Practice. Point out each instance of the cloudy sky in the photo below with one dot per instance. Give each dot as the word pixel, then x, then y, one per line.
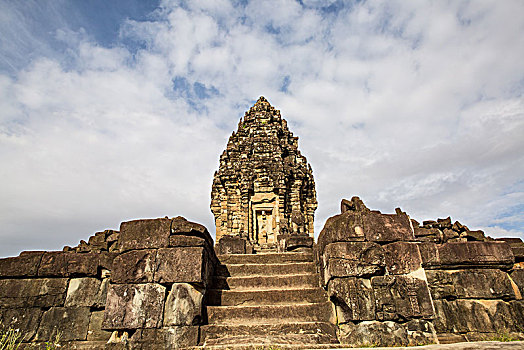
pixel 116 110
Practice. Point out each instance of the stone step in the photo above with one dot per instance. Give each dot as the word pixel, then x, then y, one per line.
pixel 236 270
pixel 289 339
pixel 293 333
pixel 272 344
pixel 269 258
pixel 217 297
pixel 480 345
pixel 317 312
pixel 266 282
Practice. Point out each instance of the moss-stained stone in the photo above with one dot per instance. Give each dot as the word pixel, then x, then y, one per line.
pixel 470 284
pixel 38 292
pixel 131 306
pixel 26 320
pixel 86 291
pixel 183 306
pixel 95 331
pixel 136 266
pixel 71 322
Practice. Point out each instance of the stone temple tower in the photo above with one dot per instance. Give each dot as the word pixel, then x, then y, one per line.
pixel 264 186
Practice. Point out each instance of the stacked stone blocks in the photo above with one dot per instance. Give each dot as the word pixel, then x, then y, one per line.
pixel 146 293
pixel 372 269
pixel 158 284
pixel 46 293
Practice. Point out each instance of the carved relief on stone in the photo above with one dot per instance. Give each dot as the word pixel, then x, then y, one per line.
pixel 263 183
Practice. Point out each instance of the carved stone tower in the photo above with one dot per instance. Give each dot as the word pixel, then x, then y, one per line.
pixel 264 186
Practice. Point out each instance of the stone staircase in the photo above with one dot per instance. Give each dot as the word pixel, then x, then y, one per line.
pixel 268 300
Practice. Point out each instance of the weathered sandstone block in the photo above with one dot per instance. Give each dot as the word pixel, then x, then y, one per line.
pixel 449 234
pixel 445 222
pixel 26 320
pixel 470 284
pixel 461 316
pixel 82 264
pixel 182 337
pixel 517 247
pixel 421 332
pixel 387 227
pixel 352 259
pixel 145 234
pixel 176 337
pixel 71 322
pixel 518 278
pixel 106 260
pixel 95 331
pixel 132 306
pixel 183 306
pixel 187 241
pixel 25 265
pixel 182 264
pixel 402 258
pixel 374 333
pixel 87 291
pixel 149 338
pixel 181 226
pixel 366 225
pixel 518 252
pixel 38 292
pixel 456 255
pixel 401 298
pixel 98 242
pixel 292 242
pixel 429 254
pixel 53 264
pixel 353 298
pixel 423 234
pixel 517 312
pixel 231 245
pixel 65 264
pixel 473 236
pixel 136 266
pixel 345 227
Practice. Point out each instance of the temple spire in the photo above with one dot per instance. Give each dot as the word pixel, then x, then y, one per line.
pixel 264 186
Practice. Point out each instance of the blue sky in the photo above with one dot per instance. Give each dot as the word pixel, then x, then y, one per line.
pixel 116 110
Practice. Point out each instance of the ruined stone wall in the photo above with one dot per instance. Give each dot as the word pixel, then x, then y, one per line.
pixel 141 288
pixel 371 268
pixel 45 293
pixel 475 282
pixel 158 284
pixel 392 281
pixel 395 284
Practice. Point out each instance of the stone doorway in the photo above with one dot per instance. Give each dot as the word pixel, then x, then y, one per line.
pixel 264 220
pixel 265 233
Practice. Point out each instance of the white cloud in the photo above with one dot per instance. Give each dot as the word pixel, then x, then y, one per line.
pixel 417 105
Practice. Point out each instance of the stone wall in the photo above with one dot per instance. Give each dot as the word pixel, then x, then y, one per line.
pixel 372 270
pixel 391 280
pixel 394 282
pixel 141 288
pixel 473 289
pixel 43 293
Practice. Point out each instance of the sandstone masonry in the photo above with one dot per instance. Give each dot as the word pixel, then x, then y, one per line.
pixel 264 186
pixel 371 279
